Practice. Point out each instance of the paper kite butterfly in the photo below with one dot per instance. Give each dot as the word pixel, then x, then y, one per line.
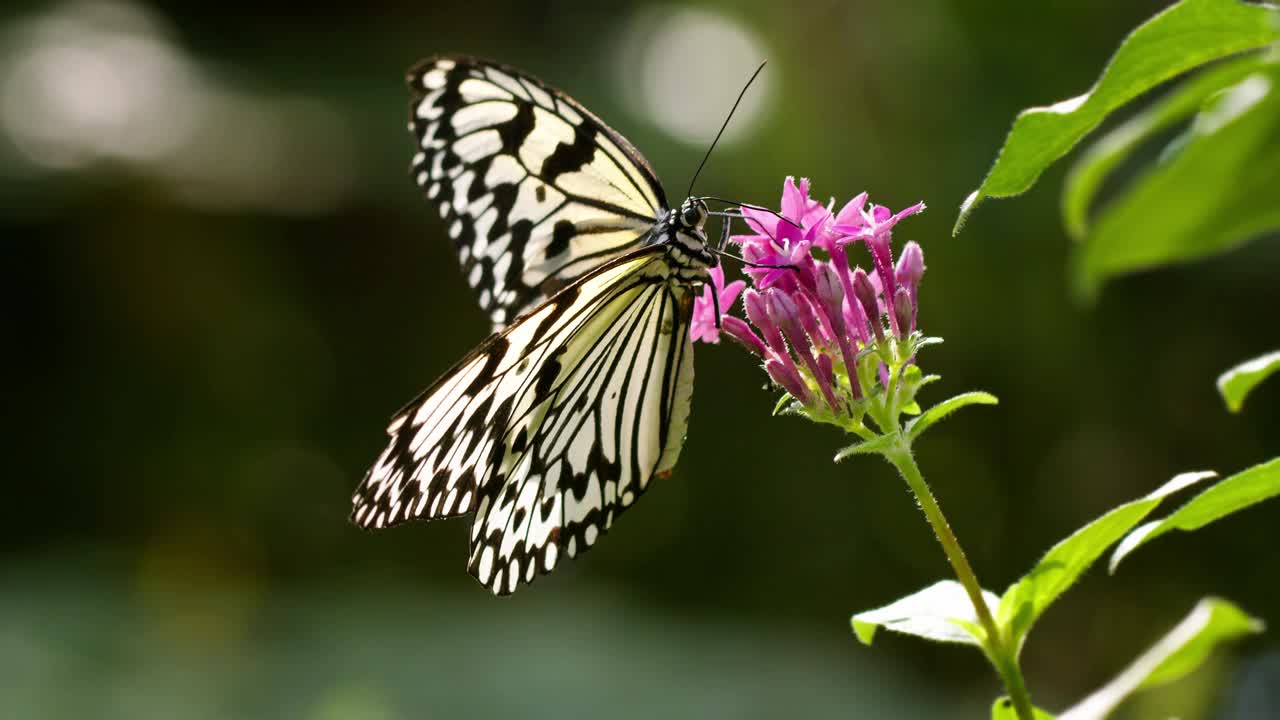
pixel 559 420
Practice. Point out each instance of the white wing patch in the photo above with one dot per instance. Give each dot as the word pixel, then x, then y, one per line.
pixel 537 191
pixel 549 430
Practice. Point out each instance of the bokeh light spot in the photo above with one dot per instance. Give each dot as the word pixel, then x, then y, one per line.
pixel 103 83
pixel 682 67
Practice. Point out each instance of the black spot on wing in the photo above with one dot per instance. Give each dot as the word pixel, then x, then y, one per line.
pixel 496 349
pixel 552 285
pixel 561 234
pixel 570 157
pixel 561 302
pixel 504 198
pixel 516 130
pixel 578 484
pixel 514 280
pixel 501 419
pixel 548 374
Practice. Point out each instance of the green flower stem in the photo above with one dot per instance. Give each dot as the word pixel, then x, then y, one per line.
pixel 1005 661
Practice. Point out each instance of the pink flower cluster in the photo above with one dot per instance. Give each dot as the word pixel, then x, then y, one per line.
pixel 810 313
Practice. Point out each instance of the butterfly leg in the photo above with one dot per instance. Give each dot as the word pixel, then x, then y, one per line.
pixel 715 301
pixel 748 263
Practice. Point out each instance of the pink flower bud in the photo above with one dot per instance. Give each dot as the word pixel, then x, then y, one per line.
pixel 788 379
pixel 737 329
pixel 910 267
pixel 905 310
pixel 829 290
pixel 757 313
pixel 783 313
pixel 865 292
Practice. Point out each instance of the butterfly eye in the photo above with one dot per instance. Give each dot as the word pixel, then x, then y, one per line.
pixel 692 215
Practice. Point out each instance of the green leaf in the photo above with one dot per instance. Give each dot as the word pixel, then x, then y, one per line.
pixel 1002 709
pixel 1212 622
pixel 917 426
pixel 1187 35
pixel 940 612
pixel 1216 191
pixel 878 444
pixel 1252 486
pixel 1028 598
pixel 1089 172
pixel 782 405
pixel 921 341
pixel 1237 382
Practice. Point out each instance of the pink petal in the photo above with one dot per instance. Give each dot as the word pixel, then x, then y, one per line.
pixel 759 221
pixel 730 293
pixel 794 198
pixel 851 213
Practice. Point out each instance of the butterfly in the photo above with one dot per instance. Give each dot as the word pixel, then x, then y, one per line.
pixel 558 421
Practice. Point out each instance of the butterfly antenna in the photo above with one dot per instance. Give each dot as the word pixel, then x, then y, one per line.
pixel 722 127
pixel 749 206
pixel 724 240
pixel 725 231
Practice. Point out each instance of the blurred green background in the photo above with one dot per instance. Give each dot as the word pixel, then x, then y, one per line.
pixel 221 282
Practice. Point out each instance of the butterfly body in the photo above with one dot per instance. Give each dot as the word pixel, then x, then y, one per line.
pixel 556 423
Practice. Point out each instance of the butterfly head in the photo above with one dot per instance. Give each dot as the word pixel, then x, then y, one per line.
pixel 693 215
pixel 684 233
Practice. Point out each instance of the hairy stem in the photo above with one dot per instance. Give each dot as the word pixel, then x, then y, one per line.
pixel 1002 656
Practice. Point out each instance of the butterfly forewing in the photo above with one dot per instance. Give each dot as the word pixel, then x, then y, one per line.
pixel 550 429
pixel 535 191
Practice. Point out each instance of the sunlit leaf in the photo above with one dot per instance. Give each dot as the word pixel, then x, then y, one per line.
pixel 878 444
pixel 1236 383
pixel 783 404
pixel 940 411
pixel 1093 167
pixel 1212 622
pixel 1025 600
pixel 940 612
pixel 1216 191
pixel 1002 709
pixel 1187 35
pixel 1237 492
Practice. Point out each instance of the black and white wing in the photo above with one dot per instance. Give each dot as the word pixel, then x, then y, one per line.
pixel 550 429
pixel 535 191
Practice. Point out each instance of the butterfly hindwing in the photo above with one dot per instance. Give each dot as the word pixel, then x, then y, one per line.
pixel 535 191
pixel 551 429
